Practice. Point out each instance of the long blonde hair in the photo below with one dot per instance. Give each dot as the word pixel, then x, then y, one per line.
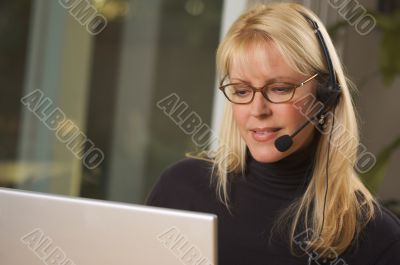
pixel 349 205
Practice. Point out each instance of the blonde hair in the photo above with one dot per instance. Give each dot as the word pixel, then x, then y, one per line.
pixel 349 205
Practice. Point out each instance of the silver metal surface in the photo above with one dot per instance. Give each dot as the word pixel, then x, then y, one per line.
pixel 39 229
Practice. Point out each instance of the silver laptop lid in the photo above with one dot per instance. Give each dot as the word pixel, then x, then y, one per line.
pixel 40 229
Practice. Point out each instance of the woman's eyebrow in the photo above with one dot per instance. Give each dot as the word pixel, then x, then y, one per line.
pixel 278 79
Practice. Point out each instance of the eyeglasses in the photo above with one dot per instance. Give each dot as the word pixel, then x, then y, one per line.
pixel 241 93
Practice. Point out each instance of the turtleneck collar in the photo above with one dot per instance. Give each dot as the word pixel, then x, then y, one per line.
pixel 289 173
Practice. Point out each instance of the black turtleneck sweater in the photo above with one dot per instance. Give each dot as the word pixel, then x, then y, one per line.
pixel 257 199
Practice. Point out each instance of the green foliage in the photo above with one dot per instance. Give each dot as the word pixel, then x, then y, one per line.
pixel 373 178
pixel 389 50
pixel 389 54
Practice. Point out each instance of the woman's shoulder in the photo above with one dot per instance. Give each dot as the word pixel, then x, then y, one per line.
pixel 380 239
pixel 181 181
pixel 385 225
pixel 385 236
pixel 187 169
pixel 385 220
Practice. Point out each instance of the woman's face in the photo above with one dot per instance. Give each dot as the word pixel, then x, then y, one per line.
pixel 266 64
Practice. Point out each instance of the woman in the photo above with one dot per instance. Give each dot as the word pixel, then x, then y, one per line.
pixel 279 199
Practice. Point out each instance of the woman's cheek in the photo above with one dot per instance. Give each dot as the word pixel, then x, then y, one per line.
pixel 240 116
pixel 290 115
pixel 293 119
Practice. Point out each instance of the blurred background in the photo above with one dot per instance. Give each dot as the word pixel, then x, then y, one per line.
pixel 108 84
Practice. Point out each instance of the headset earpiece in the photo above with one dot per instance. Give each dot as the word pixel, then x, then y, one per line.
pixel 328 95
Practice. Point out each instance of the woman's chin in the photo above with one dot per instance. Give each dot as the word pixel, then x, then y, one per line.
pixel 266 154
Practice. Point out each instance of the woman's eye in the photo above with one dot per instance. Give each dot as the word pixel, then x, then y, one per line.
pixel 282 90
pixel 242 91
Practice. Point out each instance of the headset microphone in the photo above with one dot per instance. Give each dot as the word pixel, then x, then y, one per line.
pixel 284 142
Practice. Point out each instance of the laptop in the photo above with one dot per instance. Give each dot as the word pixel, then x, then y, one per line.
pixel 42 229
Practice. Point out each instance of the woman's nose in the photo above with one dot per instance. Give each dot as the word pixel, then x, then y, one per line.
pixel 260 106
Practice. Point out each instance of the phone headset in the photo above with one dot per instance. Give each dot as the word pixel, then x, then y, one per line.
pixel 328 93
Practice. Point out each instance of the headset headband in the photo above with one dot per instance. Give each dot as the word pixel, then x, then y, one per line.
pixel 333 84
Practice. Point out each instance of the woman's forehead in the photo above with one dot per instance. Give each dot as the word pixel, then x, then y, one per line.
pixel 259 61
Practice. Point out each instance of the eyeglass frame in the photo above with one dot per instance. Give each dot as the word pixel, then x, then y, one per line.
pixel 254 89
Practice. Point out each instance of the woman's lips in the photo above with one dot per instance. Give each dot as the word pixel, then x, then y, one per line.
pixel 264 134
